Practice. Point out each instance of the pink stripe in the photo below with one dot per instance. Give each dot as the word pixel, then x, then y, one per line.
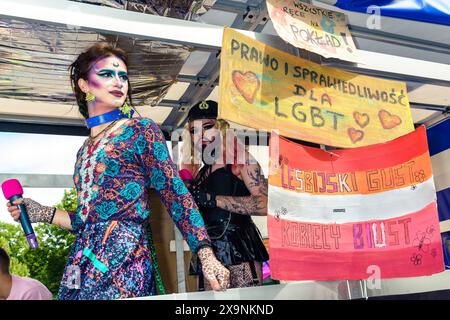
pixel 312 251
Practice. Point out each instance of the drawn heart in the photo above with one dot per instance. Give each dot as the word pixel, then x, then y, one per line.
pixel 355 135
pixel 362 119
pixel 247 84
pixel 388 120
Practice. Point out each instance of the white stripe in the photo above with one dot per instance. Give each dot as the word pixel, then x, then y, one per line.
pixel 441 169
pixel 445 225
pixel 358 207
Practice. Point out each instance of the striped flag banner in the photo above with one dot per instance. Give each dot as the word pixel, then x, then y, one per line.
pixel 337 215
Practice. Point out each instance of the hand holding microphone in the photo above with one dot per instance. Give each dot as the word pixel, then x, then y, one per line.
pixel 36 211
pixel 26 210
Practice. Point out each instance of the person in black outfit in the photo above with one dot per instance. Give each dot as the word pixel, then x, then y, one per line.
pixel 227 194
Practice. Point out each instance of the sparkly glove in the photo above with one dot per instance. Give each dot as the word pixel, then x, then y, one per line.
pixel 213 270
pixel 38 212
pixel 203 198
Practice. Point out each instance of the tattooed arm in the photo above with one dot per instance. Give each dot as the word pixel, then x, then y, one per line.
pixel 256 203
pixel 256 183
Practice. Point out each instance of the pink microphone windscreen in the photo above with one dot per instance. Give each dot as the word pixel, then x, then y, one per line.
pixel 185 174
pixel 11 188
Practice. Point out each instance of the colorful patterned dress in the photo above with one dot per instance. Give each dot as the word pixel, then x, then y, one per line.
pixel 111 254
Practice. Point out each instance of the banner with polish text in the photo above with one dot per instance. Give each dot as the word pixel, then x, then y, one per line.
pixel 337 215
pixel 315 29
pixel 267 89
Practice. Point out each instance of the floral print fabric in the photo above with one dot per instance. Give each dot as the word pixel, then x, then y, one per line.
pixel 111 251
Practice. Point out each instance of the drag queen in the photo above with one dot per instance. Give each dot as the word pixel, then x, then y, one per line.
pixel 117 164
pixel 228 194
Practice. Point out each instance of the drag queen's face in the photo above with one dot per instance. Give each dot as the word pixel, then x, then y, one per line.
pixel 107 80
pixel 203 132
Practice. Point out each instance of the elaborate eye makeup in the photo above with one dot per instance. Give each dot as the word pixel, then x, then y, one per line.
pixel 106 73
pixel 206 127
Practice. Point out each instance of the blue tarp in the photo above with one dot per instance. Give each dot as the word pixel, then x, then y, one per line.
pixel 439 137
pixel 446 245
pixel 439 145
pixel 432 11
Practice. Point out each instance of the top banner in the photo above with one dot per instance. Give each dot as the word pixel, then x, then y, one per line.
pixel 312 28
pixel 264 88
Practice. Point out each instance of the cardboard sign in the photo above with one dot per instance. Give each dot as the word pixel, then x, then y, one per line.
pixel 312 28
pixel 338 215
pixel 264 88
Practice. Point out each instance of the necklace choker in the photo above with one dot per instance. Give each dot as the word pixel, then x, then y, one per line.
pixel 106 117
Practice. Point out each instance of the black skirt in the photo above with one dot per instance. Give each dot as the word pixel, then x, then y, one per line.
pixel 234 245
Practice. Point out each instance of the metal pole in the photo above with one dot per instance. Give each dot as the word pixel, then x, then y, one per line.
pixel 179 245
pixel 179 250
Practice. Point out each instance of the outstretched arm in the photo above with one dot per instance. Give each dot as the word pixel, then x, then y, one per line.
pixel 164 177
pixel 40 213
pixel 254 204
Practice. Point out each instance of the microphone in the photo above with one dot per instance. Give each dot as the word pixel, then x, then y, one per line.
pixel 187 177
pixel 12 190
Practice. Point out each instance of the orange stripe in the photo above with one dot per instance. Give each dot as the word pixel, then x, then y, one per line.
pixel 402 175
pixel 382 155
pixel 112 225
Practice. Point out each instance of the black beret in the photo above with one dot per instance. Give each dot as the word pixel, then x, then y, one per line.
pixel 203 110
